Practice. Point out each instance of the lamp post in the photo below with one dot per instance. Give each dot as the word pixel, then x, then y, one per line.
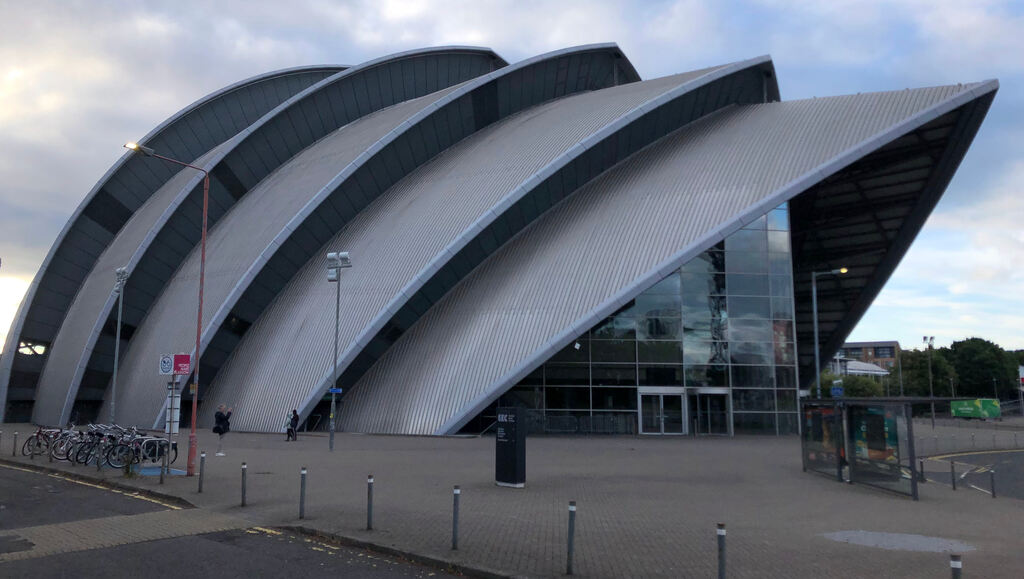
pixel 929 342
pixel 120 277
pixel 952 388
pixel 814 311
pixel 148 152
pixel 336 261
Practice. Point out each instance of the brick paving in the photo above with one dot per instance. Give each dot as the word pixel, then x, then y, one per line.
pixel 647 506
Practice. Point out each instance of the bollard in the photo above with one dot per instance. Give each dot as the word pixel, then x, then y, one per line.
pixel 992 482
pixel 31 449
pixel 952 473
pixel 972 440
pixel 163 466
pixel 49 450
pixel 456 492
pixel 302 493
pixel 202 467
pixel 99 457
pixel 244 468
pixel 956 565
pixel 721 550
pixel 572 538
pixel 14 447
pixel 935 444
pixel 920 471
pixel 369 503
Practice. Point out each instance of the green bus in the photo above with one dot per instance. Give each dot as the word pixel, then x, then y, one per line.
pixel 977 408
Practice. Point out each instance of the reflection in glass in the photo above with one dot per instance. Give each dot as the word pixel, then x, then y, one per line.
pixel 614 398
pixel 754 423
pixel 778 242
pixel 760 400
pixel 706 376
pixel 782 286
pixel 707 262
pixel 785 353
pixel 613 350
pixel 745 284
pixel 660 352
pixel 563 397
pixel 782 308
pixel 564 375
pixel 778 264
pixel 615 328
pixel 750 352
pixel 700 352
pixel 785 377
pixel 751 376
pixel 659 328
pixel 746 240
pixel 778 220
pixel 749 307
pixel 528 396
pixel 657 305
pixel 703 284
pixel 747 330
pixel 617 375
pixel 669 285
pixel 786 399
pixel 746 262
pixel 661 375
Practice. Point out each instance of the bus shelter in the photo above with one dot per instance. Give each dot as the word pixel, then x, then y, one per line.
pixel 861 440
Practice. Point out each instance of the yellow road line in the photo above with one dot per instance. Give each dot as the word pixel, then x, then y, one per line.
pixel 973 452
pixel 134 495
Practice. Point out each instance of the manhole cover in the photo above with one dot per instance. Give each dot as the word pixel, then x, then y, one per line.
pixel 899 541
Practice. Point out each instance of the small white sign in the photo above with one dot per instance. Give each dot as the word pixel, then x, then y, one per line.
pixel 166 364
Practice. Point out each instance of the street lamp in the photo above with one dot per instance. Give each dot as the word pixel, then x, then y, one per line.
pixel 814 310
pixel 148 152
pixel 120 277
pixel 336 261
pixel 929 342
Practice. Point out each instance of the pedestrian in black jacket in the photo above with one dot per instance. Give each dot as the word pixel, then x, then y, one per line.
pixel 293 425
pixel 222 425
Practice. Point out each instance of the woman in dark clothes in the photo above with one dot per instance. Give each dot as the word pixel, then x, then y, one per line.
pixel 222 425
pixel 293 426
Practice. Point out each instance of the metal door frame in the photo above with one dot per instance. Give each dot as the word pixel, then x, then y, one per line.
pixel 661 392
pixel 705 391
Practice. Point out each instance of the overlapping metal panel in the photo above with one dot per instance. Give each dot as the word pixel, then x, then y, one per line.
pixel 125 188
pixel 256 386
pixel 237 166
pixel 614 238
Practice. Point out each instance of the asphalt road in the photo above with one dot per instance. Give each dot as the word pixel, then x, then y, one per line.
pixel 30 499
pixel 974 469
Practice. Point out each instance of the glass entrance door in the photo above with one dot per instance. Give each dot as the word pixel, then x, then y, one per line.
pixel 709 413
pixel 661 414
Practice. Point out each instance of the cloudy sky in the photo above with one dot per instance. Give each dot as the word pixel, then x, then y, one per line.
pixel 78 79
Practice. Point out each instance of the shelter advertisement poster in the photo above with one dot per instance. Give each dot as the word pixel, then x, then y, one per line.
pixel 875 435
pixel 822 441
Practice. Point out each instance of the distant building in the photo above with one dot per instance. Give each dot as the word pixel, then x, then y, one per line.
pixel 850 367
pixel 883 354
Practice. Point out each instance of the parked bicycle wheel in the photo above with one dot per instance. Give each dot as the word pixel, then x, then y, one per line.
pixel 34 444
pixel 120 455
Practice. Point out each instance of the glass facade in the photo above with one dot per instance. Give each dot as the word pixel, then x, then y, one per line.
pixel 714 341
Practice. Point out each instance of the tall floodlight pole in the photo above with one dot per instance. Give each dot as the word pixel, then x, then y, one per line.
pixel 899 366
pixel 814 312
pixel 120 277
pixel 336 261
pixel 952 388
pixel 148 152
pixel 929 342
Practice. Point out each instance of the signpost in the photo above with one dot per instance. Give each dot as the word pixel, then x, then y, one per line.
pixel 182 364
pixel 166 364
pixel 510 449
pixel 837 389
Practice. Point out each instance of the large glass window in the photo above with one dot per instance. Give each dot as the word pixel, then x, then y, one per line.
pixel 723 320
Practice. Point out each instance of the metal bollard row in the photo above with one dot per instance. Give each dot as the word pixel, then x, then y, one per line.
pixel 244 468
pixel 369 503
pixel 302 493
pixel 456 492
pixel 202 469
pixel 572 539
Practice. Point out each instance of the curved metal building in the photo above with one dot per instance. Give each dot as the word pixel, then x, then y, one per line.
pixel 614 255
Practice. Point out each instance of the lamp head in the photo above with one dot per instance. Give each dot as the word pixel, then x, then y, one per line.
pixel 139 148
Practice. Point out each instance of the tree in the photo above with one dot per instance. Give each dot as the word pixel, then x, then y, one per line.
pixel 853 386
pixel 978 362
pixel 915 373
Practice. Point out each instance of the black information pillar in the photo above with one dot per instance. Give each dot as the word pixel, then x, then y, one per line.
pixel 510 449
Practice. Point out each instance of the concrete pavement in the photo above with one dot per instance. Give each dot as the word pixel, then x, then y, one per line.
pixel 647 506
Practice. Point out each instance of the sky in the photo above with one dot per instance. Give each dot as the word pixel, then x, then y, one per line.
pixel 78 79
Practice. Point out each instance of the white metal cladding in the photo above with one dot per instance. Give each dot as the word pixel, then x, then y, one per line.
pixel 697 94
pixel 538 79
pixel 609 241
pixel 127 185
pixel 244 161
pixel 238 241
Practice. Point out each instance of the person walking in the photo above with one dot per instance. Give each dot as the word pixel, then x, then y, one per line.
pixel 293 426
pixel 222 425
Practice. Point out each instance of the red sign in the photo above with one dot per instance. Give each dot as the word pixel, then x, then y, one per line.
pixel 182 364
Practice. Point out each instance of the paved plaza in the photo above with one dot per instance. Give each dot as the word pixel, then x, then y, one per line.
pixel 647 506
